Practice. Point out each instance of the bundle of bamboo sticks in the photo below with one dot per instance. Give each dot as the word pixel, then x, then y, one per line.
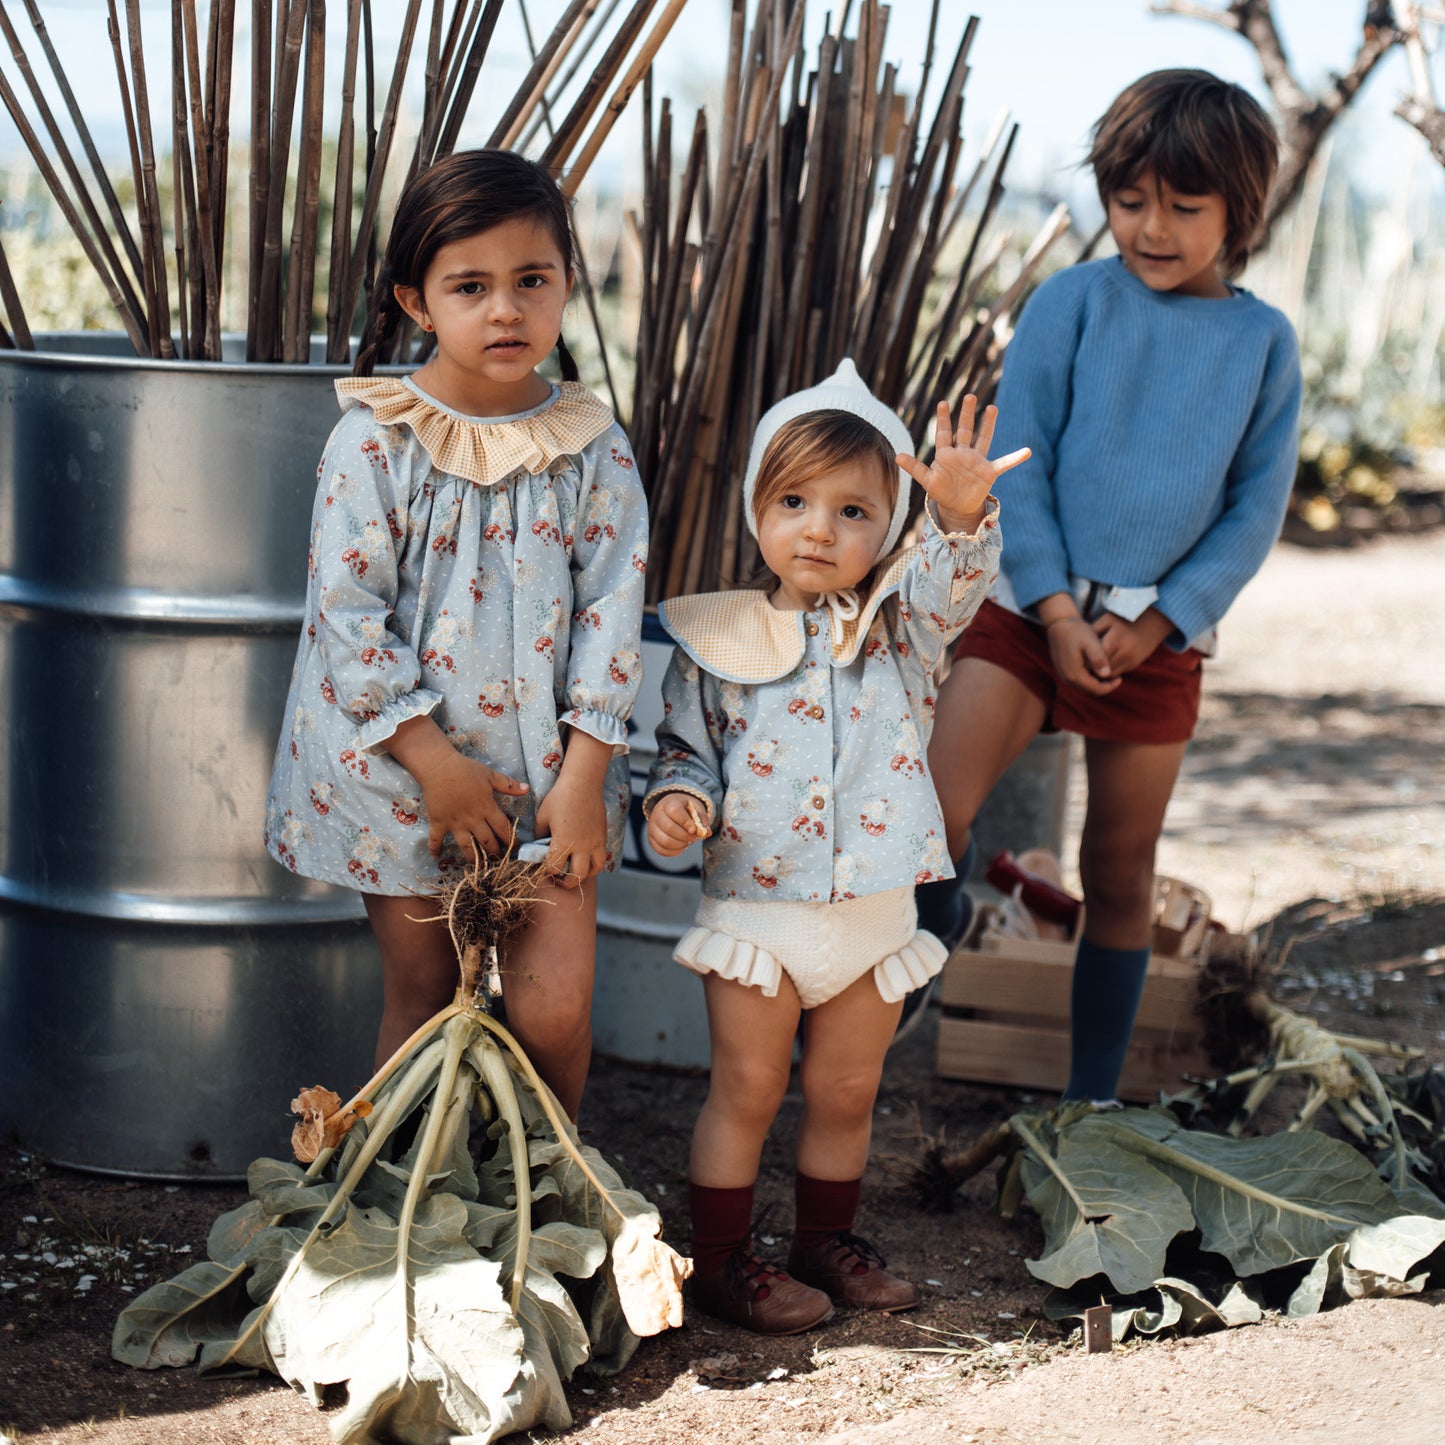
pixel 131 247
pixel 817 229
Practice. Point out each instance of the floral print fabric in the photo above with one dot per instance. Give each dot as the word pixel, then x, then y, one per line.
pixel 504 611
pixel 816 782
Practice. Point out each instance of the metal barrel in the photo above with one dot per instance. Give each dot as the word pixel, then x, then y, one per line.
pixel 646 1008
pixel 165 988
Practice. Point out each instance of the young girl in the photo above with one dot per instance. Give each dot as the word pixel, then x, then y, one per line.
pixel 793 739
pixel 471 649
pixel 1162 404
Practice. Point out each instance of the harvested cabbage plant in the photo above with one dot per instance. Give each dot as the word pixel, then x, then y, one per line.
pixel 445 1254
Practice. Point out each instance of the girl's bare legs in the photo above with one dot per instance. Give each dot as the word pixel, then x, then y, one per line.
pixel 1129 789
pixel 546 985
pixel 419 971
pixel 844 1044
pixel 547 988
pixel 985 717
pixel 752 1059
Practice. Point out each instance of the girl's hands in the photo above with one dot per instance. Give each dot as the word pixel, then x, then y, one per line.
pixel 961 476
pixel 460 793
pixel 674 824
pixel 1095 655
pixel 573 816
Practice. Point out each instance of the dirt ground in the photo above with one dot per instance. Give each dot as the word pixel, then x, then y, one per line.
pixel 1314 801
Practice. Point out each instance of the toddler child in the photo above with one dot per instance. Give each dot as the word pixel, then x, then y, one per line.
pixel 794 733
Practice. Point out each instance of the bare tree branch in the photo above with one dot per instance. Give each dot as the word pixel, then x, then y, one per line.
pixel 1420 108
pixel 1305 119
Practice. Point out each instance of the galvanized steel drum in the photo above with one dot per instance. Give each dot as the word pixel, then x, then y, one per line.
pixel 646 1008
pixel 165 987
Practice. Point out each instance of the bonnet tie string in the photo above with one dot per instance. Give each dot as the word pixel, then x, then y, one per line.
pixel 843 605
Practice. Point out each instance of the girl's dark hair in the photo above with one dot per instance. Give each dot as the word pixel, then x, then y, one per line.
pixel 460 195
pixel 1199 135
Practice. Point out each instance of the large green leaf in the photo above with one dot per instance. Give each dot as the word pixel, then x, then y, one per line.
pixel 1261 1203
pixel 1105 1211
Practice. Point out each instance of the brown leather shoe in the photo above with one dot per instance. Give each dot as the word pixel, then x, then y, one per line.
pixel 759 1296
pixel 850 1271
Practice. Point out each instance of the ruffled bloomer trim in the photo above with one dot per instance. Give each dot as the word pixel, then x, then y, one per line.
pixel 705 950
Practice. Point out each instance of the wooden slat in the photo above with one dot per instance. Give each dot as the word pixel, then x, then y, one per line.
pixel 997 986
pixel 1036 1058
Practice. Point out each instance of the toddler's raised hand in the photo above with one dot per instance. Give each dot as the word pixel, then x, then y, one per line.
pixel 674 824
pixel 961 476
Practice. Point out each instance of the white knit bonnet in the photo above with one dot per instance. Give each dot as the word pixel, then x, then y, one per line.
pixel 843 391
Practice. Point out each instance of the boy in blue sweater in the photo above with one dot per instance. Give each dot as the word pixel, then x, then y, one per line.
pixel 1162 405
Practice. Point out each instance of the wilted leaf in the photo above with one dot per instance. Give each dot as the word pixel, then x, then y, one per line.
pixel 1395 1247
pixel 323 1124
pixel 649 1276
pixel 427 1351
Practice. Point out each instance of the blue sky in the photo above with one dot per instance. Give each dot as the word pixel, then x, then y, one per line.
pixel 1055 64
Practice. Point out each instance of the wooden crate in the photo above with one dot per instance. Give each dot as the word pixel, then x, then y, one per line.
pixel 1006 1019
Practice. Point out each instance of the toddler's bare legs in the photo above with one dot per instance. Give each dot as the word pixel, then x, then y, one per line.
pixel 844 1044
pixel 547 987
pixel 752 1058
pixel 418 967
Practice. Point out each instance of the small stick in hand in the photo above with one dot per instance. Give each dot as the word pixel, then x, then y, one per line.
pixel 698 826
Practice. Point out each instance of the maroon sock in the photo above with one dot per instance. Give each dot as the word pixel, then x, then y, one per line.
pixel 824 1207
pixel 721 1221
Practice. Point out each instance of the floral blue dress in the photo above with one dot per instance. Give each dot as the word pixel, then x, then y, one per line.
pixel 487 572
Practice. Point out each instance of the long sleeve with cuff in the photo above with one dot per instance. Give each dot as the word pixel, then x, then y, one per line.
pixel 1164 431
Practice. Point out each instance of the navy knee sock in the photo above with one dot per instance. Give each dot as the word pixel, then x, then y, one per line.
pixel 944 907
pixel 1107 986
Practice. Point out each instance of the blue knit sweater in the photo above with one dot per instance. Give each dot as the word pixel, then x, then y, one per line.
pixel 1164 431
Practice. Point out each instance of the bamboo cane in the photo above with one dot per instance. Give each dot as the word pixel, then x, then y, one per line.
pixel 82 130
pixel 376 163
pixel 78 184
pixel 549 58
pixel 270 327
pixel 301 269
pixel 584 46
pixel 203 242
pixel 466 80
pixel 183 196
pixel 338 325
pixel 564 139
pixel 261 18
pixel 14 310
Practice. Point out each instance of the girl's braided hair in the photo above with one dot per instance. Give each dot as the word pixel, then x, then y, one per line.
pixel 459 196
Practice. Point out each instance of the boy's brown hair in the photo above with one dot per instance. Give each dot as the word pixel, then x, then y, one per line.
pixel 1198 134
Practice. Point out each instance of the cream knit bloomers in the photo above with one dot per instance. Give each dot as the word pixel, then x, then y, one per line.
pixel 822 947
